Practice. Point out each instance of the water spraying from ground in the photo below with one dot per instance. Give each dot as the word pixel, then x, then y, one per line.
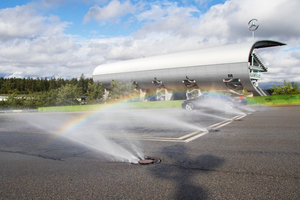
pixel 115 133
pixel 92 130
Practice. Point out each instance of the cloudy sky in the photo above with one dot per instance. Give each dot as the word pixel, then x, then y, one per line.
pixel 65 38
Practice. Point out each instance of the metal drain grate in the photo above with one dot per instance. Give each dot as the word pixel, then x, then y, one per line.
pixel 149 160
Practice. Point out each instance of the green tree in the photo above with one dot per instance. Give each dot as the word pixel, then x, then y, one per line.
pixel 2 82
pixel 60 82
pixel 67 95
pixel 29 84
pixel 95 90
pixel 82 88
pixel 121 90
pixel 286 89
pixel 13 101
pixel 24 86
pixel 3 105
pixel 51 97
pixel 30 101
pixel 4 87
pixel 52 84
pixel 73 81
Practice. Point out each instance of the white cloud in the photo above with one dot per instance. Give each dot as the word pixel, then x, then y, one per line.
pixel 24 22
pixel 11 19
pixel 274 17
pixel 228 20
pixel 283 65
pixel 35 45
pixel 168 18
pixel 113 11
pixel 15 75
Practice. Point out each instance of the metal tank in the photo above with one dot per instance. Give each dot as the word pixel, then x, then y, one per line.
pixel 230 67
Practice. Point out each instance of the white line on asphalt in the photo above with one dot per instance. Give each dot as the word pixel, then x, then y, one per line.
pixel 188 135
pixel 196 136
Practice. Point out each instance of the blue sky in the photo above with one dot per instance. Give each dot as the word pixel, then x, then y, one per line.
pixel 64 38
pixel 73 12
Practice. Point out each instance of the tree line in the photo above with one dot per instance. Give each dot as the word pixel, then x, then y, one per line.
pixel 32 93
pixel 31 85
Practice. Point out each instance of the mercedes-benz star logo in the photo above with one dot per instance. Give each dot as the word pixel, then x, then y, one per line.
pixel 253 24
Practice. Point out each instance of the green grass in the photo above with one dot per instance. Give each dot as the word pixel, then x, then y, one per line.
pixel 275 100
pixel 133 105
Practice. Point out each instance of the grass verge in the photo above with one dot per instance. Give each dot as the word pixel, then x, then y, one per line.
pixel 275 100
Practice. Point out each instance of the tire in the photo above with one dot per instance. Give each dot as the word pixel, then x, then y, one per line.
pixel 189 107
pixel 229 105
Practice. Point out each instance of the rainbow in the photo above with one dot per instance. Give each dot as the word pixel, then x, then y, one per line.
pixel 86 116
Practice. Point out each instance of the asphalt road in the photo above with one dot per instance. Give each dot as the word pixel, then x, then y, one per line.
pixel 256 157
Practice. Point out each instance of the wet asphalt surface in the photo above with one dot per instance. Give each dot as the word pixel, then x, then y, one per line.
pixel 257 157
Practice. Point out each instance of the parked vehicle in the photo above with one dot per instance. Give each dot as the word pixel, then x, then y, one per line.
pixel 214 101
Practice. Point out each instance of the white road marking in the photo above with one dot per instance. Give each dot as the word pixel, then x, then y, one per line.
pixel 196 136
pixel 186 138
pixel 188 135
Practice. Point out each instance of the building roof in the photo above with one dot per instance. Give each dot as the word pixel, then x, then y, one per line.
pixel 234 53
